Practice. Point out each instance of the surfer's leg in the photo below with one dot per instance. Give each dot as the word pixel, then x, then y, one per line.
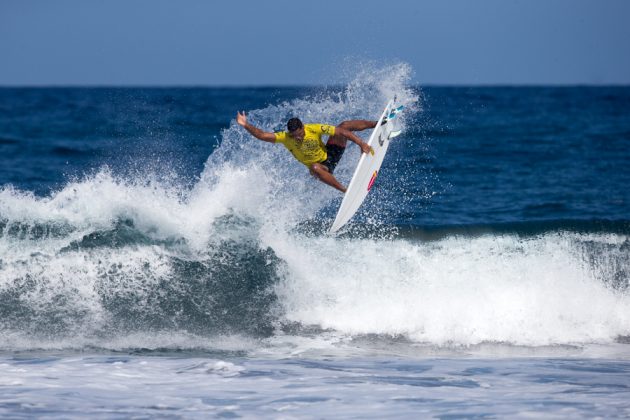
pixel 350 125
pixel 358 125
pixel 321 172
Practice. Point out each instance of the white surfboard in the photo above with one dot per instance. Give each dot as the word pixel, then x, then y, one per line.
pixel 367 170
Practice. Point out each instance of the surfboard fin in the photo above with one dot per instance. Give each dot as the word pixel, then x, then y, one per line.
pixel 394 134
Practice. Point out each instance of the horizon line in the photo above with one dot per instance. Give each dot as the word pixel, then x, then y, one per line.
pixel 290 86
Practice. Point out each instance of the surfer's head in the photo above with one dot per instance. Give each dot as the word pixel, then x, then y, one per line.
pixel 295 128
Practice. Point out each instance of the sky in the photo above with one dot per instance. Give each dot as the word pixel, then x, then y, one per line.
pixel 283 42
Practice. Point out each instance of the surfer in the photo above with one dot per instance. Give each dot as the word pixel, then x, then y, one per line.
pixel 304 141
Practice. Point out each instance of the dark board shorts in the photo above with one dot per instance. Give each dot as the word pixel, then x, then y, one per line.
pixel 334 155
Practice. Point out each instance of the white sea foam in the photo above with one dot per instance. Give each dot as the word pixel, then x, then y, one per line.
pixel 461 291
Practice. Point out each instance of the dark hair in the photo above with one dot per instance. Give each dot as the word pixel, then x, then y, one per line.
pixel 294 124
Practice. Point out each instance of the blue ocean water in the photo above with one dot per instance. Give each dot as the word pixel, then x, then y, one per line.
pixel 156 260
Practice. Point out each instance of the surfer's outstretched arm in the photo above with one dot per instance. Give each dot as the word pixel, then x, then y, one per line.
pixel 241 119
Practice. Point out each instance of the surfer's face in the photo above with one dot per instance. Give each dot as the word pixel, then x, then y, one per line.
pixel 297 134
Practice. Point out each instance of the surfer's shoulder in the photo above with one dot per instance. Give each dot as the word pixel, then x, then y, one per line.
pixel 280 136
pixel 320 128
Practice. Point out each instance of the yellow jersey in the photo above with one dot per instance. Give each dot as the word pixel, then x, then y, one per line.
pixel 311 149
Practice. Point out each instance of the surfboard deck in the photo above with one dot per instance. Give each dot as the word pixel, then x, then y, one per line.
pixel 369 164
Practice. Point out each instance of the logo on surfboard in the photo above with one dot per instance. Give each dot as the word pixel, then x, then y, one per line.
pixel 372 180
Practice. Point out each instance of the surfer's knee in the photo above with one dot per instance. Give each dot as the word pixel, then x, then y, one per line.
pixel 345 124
pixel 317 168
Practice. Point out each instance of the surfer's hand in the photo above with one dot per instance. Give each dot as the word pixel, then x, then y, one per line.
pixel 241 119
pixel 365 148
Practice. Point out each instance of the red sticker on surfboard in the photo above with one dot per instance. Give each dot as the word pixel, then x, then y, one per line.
pixel 372 180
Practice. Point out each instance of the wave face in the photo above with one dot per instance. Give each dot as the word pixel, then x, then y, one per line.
pixel 113 260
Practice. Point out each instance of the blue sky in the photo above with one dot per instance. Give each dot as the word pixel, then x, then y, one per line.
pixel 282 42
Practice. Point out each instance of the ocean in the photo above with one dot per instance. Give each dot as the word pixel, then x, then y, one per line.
pixel 158 261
